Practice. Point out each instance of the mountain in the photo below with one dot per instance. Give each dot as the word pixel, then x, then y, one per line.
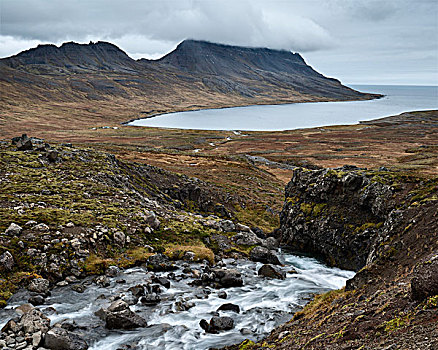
pixel 100 83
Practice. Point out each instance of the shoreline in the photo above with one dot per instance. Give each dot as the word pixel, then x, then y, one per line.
pixel 377 97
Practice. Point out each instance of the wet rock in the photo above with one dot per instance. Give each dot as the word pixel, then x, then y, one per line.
pixel 36 300
pixel 159 262
pixel 13 230
pixel 34 321
pixel 24 308
pixel 189 256
pixel 222 294
pixel 137 291
pixel 59 338
pixel 112 271
pixel 39 285
pixel 78 288
pixel 424 284
pixel 163 281
pixel 102 281
pixel 217 324
pixel 124 319
pixel 270 243
pixel 118 305
pixel 150 299
pixel 271 272
pixel 229 307
pixel 228 277
pixel 6 261
pixel 264 255
pixel 183 305
pixel 259 232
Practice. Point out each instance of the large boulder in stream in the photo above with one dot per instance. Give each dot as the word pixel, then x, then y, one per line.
pixel 120 316
pixel 217 324
pixel 228 277
pixel 60 339
pixel 271 272
pixel 264 255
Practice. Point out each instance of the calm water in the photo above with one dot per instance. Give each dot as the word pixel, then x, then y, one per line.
pixel 397 99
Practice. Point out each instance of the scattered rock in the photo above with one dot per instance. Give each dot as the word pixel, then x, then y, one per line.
pixel 159 262
pixel 217 324
pixel 36 300
pixel 13 230
pixel 264 255
pixel 78 288
pixel 150 299
pixel 124 319
pixel 119 238
pixel 222 294
pixel 163 281
pixel 6 261
pixel 424 284
pixel 228 277
pixel 247 238
pixel 227 225
pixel 39 285
pixel 271 272
pixel 229 307
pixel 59 338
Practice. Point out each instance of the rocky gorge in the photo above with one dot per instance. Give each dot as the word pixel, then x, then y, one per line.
pixel 100 253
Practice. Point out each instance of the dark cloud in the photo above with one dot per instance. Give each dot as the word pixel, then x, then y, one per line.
pixel 377 37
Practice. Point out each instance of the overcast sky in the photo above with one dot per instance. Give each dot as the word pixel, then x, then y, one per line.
pixel 356 41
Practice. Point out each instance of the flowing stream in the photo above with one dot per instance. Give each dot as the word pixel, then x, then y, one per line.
pixel 264 304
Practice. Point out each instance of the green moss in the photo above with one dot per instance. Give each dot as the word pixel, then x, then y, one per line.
pixel 396 323
pixel 246 345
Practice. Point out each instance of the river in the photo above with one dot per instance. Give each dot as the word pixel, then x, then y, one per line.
pixel 397 99
pixel 264 304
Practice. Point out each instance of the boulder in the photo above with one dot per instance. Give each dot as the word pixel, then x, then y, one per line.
pixel 271 272
pixel 227 225
pixel 118 305
pixel 150 299
pixel 159 262
pixel 13 230
pixel 34 321
pixel 229 307
pixel 162 280
pixel 424 283
pixel 39 286
pixel 23 143
pixel 217 324
pixel 124 319
pixel 119 238
pixel 60 339
pixel 36 300
pixel 6 261
pixel 247 238
pixel 264 255
pixel 228 277
pixel 242 228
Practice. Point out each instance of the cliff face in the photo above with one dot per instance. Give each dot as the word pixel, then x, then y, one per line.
pixel 383 223
pixel 336 214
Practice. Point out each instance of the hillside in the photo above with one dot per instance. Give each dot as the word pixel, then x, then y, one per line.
pixel 76 86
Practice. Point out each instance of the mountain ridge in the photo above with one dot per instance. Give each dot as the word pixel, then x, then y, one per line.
pixel 98 82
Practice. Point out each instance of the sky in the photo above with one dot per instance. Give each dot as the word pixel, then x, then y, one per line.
pixel 355 41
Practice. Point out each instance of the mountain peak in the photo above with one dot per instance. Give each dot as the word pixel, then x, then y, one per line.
pixel 221 59
pixel 75 57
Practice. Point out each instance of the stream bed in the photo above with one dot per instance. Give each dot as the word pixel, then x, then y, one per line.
pixel 264 304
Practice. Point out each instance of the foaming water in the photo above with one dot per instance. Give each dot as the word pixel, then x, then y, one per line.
pixel 398 99
pixel 264 304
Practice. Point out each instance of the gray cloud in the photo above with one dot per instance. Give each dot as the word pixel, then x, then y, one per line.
pixel 356 41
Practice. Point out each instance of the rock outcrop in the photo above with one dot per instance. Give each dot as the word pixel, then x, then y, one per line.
pixel 337 214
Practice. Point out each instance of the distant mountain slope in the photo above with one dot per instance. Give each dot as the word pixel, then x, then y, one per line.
pixel 279 68
pixel 98 82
